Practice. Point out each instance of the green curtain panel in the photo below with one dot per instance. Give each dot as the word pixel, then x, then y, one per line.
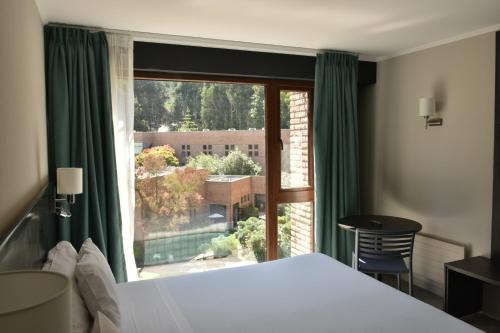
pixel 335 151
pixel 80 134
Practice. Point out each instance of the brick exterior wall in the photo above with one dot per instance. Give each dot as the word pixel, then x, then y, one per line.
pixel 218 141
pixel 301 213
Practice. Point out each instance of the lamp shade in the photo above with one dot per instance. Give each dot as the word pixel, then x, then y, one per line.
pixel 69 180
pixel 35 301
pixel 426 106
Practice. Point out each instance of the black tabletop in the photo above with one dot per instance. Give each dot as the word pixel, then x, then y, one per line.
pixel 380 222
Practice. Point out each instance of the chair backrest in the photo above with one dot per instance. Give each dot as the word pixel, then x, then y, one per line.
pixel 375 244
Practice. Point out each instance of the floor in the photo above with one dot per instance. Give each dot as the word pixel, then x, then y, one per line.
pixel 479 320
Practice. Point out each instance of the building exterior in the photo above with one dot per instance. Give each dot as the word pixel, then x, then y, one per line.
pixel 186 144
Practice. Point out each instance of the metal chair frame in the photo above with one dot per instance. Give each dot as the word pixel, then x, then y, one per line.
pixel 385 245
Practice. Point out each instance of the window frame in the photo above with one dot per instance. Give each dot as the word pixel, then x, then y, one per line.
pixel 275 194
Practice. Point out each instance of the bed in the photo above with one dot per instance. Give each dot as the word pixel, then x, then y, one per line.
pixel 309 293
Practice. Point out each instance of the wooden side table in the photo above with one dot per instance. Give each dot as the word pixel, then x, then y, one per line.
pixel 464 280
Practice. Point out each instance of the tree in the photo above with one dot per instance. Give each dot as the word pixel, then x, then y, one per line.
pixel 149 103
pixel 238 163
pixel 235 163
pixel 188 124
pixel 166 153
pixel 285 109
pixel 256 116
pixel 211 163
pixel 240 99
pixel 186 98
pixel 215 107
pixel 166 201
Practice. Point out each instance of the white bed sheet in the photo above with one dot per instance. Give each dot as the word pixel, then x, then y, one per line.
pixel 310 293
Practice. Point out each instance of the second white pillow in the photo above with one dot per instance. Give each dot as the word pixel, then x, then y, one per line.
pixel 97 283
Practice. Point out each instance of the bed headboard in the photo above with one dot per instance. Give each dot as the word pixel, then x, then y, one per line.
pixel 25 246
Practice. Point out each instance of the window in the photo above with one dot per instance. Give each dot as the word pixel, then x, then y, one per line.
pixel 227 149
pixel 253 150
pixel 207 150
pixel 185 151
pixel 169 234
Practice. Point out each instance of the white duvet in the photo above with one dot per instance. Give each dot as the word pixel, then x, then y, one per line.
pixel 310 293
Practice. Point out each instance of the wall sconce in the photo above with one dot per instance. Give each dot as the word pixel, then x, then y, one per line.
pixel 427 109
pixel 69 183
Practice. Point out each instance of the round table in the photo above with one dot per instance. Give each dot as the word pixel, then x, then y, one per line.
pixel 380 222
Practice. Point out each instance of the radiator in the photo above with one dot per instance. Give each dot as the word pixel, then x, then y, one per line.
pixel 429 256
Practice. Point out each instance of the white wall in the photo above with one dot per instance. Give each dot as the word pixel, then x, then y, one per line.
pixel 443 176
pixel 23 143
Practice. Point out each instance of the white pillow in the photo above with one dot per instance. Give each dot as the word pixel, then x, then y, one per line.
pixel 102 324
pixel 62 259
pixel 96 282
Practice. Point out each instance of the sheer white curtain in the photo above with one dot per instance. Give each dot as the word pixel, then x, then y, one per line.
pixel 122 94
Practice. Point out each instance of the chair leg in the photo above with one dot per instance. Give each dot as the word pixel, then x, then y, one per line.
pixel 399 281
pixel 410 283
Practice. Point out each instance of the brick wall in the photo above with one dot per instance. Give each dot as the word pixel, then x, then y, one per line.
pixel 301 213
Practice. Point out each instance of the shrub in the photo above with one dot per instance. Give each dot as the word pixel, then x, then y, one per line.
pixel 235 163
pixel 211 163
pixel 249 211
pixel 166 153
pixel 284 236
pixel 246 228
pixel 223 246
pixel 251 234
pixel 238 163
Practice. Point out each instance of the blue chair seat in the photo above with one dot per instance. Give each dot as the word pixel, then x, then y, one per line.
pixel 382 265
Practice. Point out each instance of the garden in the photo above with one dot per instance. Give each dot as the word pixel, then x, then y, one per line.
pixel 168 227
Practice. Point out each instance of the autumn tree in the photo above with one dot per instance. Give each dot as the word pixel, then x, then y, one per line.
pixel 164 198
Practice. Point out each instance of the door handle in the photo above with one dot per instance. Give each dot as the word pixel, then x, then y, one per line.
pixel 281 143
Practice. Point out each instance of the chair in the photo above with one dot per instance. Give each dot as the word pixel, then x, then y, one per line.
pixel 384 252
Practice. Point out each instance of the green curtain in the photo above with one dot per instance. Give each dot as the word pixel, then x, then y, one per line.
pixel 80 134
pixel 335 152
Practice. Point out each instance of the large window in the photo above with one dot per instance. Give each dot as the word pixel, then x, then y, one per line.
pixel 223 172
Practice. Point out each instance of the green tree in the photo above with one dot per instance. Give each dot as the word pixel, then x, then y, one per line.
pixel 149 103
pixel 211 163
pixel 188 124
pixel 186 98
pixel 235 163
pixel 238 163
pixel 257 107
pixel 215 107
pixel 240 98
pixel 285 109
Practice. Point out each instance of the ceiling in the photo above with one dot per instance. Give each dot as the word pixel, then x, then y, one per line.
pixel 377 28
